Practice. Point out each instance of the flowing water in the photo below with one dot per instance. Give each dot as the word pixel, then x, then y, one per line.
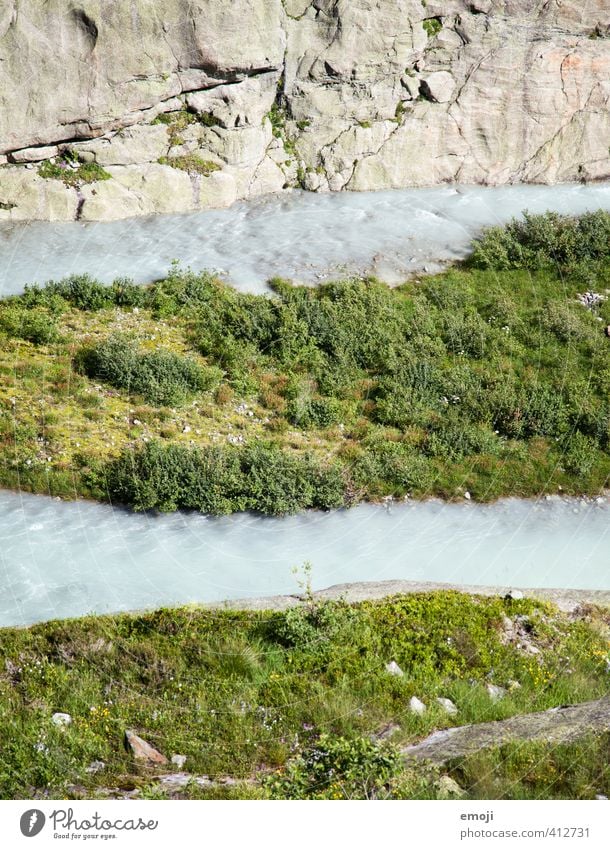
pixel 61 559
pixel 307 237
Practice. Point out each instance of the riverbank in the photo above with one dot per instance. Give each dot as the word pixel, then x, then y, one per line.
pixel 566 600
pixel 235 704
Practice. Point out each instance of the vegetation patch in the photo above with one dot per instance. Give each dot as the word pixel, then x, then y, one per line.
pixel 161 377
pixel 432 26
pixel 70 171
pixel 299 703
pixel 219 480
pixel 191 163
pixel 485 379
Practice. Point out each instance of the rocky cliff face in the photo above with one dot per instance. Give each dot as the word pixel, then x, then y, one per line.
pixel 112 108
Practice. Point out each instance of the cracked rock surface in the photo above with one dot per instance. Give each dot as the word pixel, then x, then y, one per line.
pixel 323 94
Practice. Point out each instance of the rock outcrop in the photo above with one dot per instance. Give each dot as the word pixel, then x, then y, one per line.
pixel 556 726
pixel 188 104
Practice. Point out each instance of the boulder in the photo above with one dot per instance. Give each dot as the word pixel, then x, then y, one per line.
pixel 495 693
pixel 447 705
pixel 34 154
pixel 448 788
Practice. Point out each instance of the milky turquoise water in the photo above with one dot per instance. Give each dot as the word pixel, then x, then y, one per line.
pixel 304 236
pixel 60 559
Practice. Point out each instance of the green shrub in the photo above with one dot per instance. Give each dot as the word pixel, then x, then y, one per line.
pixel 454 440
pixel 35 325
pixel 314 412
pixel 171 477
pixel 126 293
pixel 223 480
pixel 79 290
pixel 162 377
pixel 543 241
pixel 579 456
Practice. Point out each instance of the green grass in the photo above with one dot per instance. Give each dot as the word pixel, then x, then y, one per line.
pixel 253 695
pixel 86 172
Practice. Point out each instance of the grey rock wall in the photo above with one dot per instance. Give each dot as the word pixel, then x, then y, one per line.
pixel 188 104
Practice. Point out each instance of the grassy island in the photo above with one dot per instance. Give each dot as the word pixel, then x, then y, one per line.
pixel 492 378
pixel 317 701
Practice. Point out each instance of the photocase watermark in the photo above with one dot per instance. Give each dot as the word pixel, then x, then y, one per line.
pixel 32 822
pixel 67 826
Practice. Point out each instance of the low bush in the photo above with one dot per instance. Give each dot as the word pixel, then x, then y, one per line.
pixel 37 325
pixel 543 241
pixel 219 480
pixel 161 377
pixel 338 768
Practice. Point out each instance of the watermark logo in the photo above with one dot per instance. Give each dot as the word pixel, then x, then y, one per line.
pixel 32 822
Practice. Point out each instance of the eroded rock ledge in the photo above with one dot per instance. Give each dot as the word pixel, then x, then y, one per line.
pixel 565 724
pixel 189 104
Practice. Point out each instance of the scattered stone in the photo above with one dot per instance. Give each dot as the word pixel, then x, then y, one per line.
pixel 416 706
pixel 178 780
pixel 607 330
pixel 600 797
pixel 95 766
pixel 77 790
pixel 495 693
pixel 186 429
pixel 448 788
pixel 447 705
pixel 142 750
pixel 394 669
pixel 467 495
pixel 590 300
pixel 179 760
pixel 513 685
pixel 61 720
pixel 515 595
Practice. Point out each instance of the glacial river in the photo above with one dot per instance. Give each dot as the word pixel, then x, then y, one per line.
pixel 304 236
pixel 62 559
